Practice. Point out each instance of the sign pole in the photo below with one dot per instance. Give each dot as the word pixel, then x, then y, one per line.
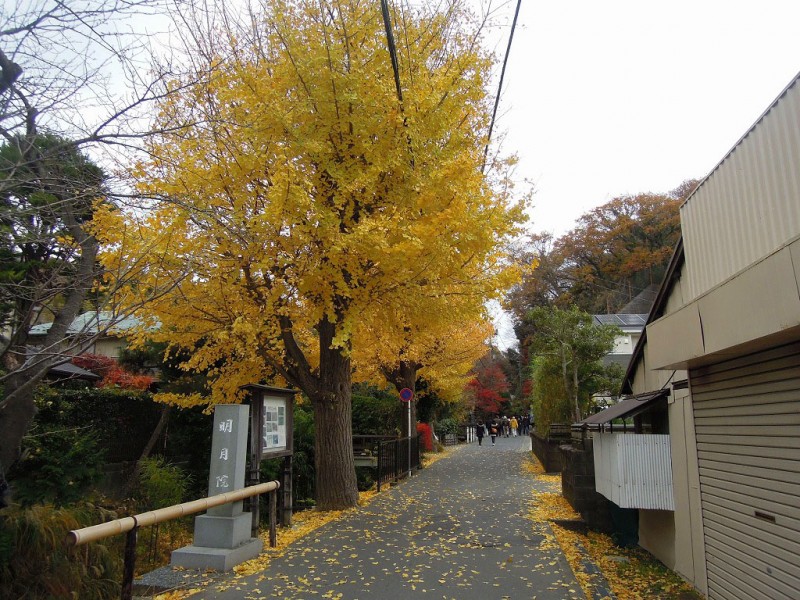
pixel 409 438
pixel 407 396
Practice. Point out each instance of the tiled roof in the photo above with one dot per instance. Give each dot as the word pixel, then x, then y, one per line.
pixel 89 323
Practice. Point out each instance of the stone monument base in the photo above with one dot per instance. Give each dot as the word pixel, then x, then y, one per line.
pixel 220 543
pixel 218 559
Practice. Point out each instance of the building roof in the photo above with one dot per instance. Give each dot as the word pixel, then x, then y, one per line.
pixel 657 311
pixel 643 301
pixel 91 323
pixel 70 371
pixel 628 407
pixel 623 321
pixel 730 152
pixel 269 389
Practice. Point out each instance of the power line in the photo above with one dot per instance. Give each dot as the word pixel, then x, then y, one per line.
pixel 387 23
pixel 500 85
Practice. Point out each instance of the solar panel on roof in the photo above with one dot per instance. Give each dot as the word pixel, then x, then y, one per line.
pixel 622 320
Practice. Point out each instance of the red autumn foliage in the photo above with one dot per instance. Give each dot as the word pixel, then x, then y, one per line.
pixel 112 373
pixel 425 436
pixel 488 385
pixel 527 388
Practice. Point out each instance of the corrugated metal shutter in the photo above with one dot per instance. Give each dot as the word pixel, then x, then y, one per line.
pixel 747 421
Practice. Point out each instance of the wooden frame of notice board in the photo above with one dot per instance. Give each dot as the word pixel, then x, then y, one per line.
pixel 271 436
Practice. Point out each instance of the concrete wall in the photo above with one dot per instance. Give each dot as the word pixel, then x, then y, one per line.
pixel 657 535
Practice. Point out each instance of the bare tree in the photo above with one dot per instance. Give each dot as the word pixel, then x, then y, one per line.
pixel 75 81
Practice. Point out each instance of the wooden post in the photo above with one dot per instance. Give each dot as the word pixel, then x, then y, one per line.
pixel 130 564
pixel 286 484
pixel 273 509
pixel 378 470
pixel 254 473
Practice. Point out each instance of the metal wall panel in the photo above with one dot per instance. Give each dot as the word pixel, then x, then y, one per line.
pixel 747 423
pixel 634 470
pixel 749 206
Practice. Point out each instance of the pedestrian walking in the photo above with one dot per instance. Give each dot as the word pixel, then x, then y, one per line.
pixel 504 424
pixel 480 430
pixel 494 430
pixel 514 425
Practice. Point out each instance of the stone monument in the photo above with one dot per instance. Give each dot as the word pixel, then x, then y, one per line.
pixel 222 535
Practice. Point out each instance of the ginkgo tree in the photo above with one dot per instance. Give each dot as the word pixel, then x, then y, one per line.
pixel 304 195
pixel 440 343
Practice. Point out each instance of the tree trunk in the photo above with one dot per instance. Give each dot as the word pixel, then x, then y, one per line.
pixel 16 417
pixel 333 441
pixel 564 372
pixel 159 429
pixel 578 416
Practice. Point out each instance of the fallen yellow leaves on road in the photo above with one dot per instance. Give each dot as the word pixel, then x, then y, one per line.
pixel 303 523
pixel 431 457
pixel 632 573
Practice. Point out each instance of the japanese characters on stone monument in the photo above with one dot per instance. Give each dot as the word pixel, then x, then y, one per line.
pixel 222 537
pixel 228 455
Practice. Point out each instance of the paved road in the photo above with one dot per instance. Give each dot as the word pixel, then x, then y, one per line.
pixel 456 530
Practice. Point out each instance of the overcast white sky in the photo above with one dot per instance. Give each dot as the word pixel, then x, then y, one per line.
pixel 626 96
pixel 612 97
pixel 618 97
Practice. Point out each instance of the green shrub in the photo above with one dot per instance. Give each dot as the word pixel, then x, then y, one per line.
pixel 365 478
pixel 121 419
pixel 160 484
pixel 58 465
pixel 377 414
pixel 445 426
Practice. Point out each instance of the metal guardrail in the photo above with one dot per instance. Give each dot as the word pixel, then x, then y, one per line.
pixel 391 456
pixel 396 459
pixel 130 525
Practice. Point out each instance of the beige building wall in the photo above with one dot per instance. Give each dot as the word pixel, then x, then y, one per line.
pixel 675 538
pixel 762 301
pixel 657 536
pixel 111 347
pixel 731 318
pixel 690 559
pixel 747 207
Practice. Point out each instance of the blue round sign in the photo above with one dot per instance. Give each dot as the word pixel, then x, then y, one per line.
pixel 406 395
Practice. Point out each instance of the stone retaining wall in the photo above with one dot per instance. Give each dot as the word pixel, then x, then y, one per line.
pixel 577 484
pixel 548 453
